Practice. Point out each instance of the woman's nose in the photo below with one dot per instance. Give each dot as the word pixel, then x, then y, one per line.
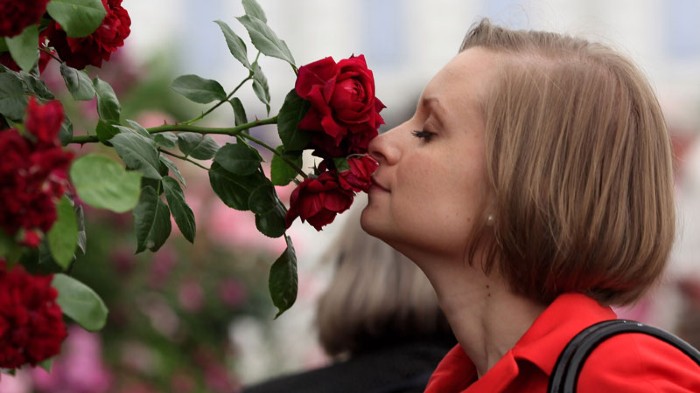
pixel 383 147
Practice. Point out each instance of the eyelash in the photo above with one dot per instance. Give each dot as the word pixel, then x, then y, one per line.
pixel 426 136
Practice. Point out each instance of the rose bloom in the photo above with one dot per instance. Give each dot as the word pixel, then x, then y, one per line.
pixel 359 176
pixel 33 173
pixel 98 46
pixel 18 14
pixel 344 113
pixel 31 322
pixel 318 200
pixel 44 121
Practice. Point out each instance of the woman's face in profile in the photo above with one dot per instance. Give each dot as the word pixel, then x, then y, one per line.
pixel 431 186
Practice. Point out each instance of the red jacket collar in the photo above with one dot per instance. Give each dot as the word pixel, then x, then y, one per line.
pixel 540 345
pixel 559 323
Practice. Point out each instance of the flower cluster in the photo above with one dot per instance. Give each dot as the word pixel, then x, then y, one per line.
pixel 98 46
pixel 332 112
pixel 77 52
pixel 31 322
pixel 342 119
pixel 33 173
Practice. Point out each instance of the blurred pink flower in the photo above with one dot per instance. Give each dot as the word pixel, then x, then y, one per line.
pixel 218 379
pixel 182 383
pixel 191 295
pixel 162 265
pixel 18 383
pixel 232 292
pixel 79 368
pixel 123 260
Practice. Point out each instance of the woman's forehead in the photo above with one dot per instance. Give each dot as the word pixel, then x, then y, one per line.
pixel 463 83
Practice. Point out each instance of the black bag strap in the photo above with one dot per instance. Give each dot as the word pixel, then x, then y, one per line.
pixel 566 371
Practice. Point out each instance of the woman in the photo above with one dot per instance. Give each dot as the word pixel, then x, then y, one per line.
pixel 533 186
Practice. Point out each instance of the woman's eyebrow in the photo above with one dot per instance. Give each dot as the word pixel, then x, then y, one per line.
pixel 434 107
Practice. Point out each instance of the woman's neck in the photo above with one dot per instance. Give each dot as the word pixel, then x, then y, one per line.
pixel 486 317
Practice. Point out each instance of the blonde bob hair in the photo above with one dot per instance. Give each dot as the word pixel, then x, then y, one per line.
pixel 579 159
pixel 376 297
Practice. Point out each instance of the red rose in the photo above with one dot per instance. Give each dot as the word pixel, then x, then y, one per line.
pixel 44 121
pixel 18 14
pixel 31 322
pixel 33 174
pixel 318 200
pixel 358 177
pixel 343 105
pixel 98 46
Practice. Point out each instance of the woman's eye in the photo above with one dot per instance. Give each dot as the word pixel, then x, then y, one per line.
pixel 424 135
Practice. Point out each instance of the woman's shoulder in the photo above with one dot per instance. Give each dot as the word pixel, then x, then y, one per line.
pixel 635 362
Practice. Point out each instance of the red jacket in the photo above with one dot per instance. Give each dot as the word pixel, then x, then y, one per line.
pixel 627 363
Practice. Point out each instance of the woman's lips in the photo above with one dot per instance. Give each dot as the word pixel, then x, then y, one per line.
pixel 377 186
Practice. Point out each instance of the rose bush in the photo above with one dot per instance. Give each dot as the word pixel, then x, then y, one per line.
pixel 332 112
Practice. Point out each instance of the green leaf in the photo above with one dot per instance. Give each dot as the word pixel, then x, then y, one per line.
pixel 104 184
pixel 238 111
pixel 167 140
pixel 152 221
pixel 173 168
pixel 39 260
pixel 272 223
pixel 13 101
pixel 262 199
pixel 235 44
pixel 78 18
pixel 238 158
pixel 23 47
pixel 184 218
pixel 78 83
pixel 106 130
pixel 46 364
pixel 138 153
pixel 9 249
pixel 138 128
pixel 341 164
pixel 82 234
pixel 282 173
pixel 80 303
pixel 252 8
pixel 35 86
pixel 261 87
pixel 198 89
pixel 283 282
pixel 198 146
pixel 3 45
pixel 269 211
pixel 292 111
pixel 265 39
pixel 63 236
pixel 65 134
pixel 233 189
pixel 108 106
pixel 140 131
